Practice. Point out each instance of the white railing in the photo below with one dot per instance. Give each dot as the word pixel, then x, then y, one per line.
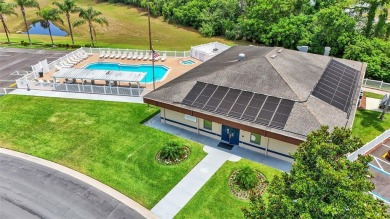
pixel 176 54
pixel 22 72
pixel 376 84
pixel 96 89
pixel 370 145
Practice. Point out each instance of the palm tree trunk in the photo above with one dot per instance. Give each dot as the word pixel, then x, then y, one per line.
pixel 90 31
pixel 5 28
pixel 51 37
pixel 25 23
pixel 70 27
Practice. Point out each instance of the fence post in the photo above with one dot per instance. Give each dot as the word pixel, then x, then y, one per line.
pixel 66 87
pixel 5 90
pixel 104 89
pixel 78 86
pixel 175 53
pixel 381 84
pixel 91 88
pixel 131 91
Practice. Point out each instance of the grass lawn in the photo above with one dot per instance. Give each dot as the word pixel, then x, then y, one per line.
pixel 128 28
pixel 104 140
pixel 367 125
pixel 373 95
pixel 214 200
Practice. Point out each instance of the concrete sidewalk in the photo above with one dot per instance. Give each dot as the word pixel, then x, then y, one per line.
pixel 82 96
pixel 179 196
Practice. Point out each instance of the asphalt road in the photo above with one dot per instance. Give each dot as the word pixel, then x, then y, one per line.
pixel 13 59
pixel 29 190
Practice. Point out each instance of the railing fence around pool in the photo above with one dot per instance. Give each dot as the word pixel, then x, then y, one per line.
pixel 175 54
pixel 376 84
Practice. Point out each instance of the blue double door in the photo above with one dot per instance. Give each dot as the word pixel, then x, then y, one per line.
pixel 230 135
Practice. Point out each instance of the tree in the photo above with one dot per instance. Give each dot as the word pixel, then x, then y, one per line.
pixel 67 7
pixel 322 183
pixel 23 4
pixel 47 15
pixel 90 16
pixel 6 9
pixel 374 8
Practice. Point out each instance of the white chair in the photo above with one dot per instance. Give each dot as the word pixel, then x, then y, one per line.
pixel 151 57
pixel 146 57
pixel 102 54
pixel 124 55
pixel 65 64
pixel 76 58
pixel 118 55
pixel 112 55
pixel 130 55
pixel 107 54
pixel 141 55
pixel 72 61
pixel 164 57
pixel 135 55
pixel 157 58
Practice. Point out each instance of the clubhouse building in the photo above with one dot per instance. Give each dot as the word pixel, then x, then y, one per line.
pixel 261 98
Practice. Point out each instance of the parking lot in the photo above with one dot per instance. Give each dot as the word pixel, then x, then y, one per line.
pixel 12 60
pixel 380 167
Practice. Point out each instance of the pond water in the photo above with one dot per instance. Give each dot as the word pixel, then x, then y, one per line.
pixel 38 29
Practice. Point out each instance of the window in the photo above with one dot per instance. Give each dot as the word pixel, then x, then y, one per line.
pixel 207 124
pixel 255 138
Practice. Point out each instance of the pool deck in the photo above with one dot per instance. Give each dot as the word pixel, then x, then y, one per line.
pixel 176 68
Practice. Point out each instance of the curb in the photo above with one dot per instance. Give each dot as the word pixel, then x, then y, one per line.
pixel 86 179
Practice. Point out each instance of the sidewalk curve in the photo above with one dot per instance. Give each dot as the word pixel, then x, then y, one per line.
pixel 86 179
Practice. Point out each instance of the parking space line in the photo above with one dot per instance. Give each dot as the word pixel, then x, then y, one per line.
pixel 378 163
pixel 384 161
pixel 386 145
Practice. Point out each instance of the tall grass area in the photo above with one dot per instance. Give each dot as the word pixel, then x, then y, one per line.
pixel 128 28
pixel 104 140
pixel 367 126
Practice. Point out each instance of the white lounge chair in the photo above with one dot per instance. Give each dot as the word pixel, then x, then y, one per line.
pixel 157 58
pixel 118 55
pixel 124 55
pixel 107 54
pixel 71 61
pixel 76 58
pixel 113 54
pixel 146 57
pixel 84 55
pixel 135 55
pixel 57 67
pixel 65 64
pixel 130 55
pixel 102 54
pixel 141 55
pixel 164 57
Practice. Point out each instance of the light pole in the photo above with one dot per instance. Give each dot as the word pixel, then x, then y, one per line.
pixel 385 107
pixel 150 45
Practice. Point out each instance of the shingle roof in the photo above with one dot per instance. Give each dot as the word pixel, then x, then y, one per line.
pixel 290 75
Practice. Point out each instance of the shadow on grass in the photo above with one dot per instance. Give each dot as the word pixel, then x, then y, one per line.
pixel 371 119
pixel 150 116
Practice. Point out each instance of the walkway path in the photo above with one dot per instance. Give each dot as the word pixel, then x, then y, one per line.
pixel 179 196
pixel 34 186
pixel 83 96
pixel 375 91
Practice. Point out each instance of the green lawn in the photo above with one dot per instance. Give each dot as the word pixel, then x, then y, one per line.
pixel 214 200
pixel 128 28
pixel 104 140
pixel 367 125
pixel 373 95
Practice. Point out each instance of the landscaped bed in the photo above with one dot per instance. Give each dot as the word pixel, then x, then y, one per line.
pixel 104 140
pixel 215 199
pixel 367 126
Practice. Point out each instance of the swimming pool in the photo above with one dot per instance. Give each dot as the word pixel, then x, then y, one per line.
pixel 187 62
pixel 159 70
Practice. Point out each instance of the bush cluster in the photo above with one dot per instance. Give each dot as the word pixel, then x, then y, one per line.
pixel 172 151
pixel 247 178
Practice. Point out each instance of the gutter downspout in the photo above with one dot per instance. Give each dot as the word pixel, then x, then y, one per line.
pixel 266 149
pixel 165 121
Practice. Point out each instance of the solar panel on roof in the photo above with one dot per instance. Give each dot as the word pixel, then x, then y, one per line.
pixel 337 85
pixel 242 105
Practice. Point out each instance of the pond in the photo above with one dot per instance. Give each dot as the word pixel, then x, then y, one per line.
pixel 38 29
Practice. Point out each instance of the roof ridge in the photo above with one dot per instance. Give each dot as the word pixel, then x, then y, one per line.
pixel 279 72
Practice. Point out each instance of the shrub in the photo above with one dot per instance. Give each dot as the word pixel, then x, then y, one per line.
pixel 172 151
pixel 22 42
pixel 247 178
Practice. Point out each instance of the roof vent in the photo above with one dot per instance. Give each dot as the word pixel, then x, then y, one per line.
pixel 327 51
pixel 273 56
pixel 303 48
pixel 241 57
pixel 215 49
pixel 280 50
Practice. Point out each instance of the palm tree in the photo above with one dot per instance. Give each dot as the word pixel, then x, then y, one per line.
pixel 47 15
pixel 90 16
pixel 6 9
pixel 68 7
pixel 27 4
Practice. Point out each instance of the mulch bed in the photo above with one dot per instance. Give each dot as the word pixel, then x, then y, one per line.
pixel 236 190
pixel 173 162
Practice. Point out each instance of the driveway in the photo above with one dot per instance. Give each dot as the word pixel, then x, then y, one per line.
pixel 29 190
pixel 13 59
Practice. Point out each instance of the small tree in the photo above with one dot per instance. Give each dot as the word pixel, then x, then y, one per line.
pixel 172 151
pixel 68 7
pixel 247 178
pixel 90 16
pixel 46 16
pixel 322 183
pixel 6 9
pixel 23 4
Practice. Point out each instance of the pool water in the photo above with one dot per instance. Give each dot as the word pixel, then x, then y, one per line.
pixel 38 29
pixel 159 70
pixel 187 62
